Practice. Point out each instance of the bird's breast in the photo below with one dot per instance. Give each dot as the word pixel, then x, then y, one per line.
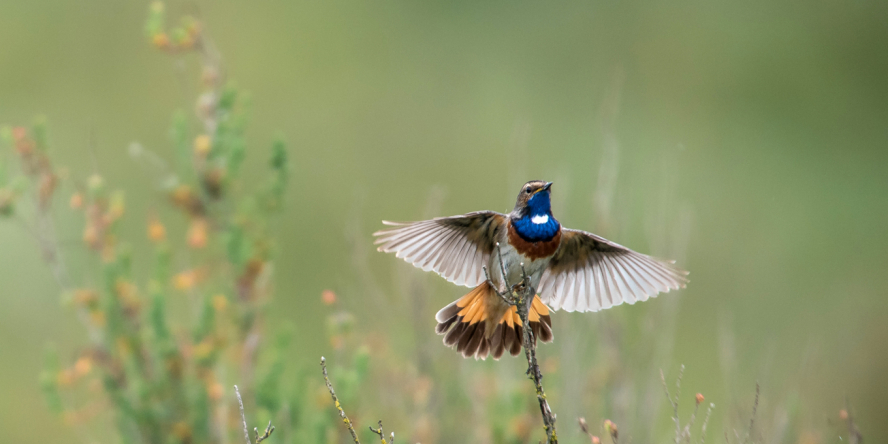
pixel 530 249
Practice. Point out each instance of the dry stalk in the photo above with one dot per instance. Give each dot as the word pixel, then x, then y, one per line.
pixel 269 429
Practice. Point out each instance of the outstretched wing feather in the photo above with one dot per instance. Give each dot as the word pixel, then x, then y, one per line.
pixel 591 273
pixel 455 247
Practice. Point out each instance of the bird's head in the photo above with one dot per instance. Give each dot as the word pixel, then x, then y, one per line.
pixel 533 199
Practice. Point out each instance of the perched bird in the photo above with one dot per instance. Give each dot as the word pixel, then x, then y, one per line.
pixel 570 269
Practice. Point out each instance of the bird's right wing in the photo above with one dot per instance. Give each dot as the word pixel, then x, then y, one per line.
pixel 455 247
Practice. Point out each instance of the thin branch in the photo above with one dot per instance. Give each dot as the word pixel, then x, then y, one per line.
pixel 705 423
pixel 269 429
pixel 342 414
pixel 240 403
pixel 522 302
pixel 382 434
pixel 673 403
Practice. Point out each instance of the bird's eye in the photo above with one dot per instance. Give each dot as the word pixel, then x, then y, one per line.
pixel 527 190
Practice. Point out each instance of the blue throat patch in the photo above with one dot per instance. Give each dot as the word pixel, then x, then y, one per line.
pixel 539 207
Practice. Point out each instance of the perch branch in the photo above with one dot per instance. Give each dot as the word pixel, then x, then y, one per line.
pixel 521 296
pixel 342 414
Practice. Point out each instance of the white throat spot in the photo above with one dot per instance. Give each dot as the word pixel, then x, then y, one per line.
pixel 540 219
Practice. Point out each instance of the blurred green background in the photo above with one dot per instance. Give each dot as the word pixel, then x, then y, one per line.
pixel 748 140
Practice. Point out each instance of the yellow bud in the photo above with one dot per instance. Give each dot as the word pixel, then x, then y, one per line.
pixel 220 302
pixel 185 280
pixel 202 144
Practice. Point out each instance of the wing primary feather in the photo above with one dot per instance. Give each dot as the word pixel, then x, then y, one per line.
pixel 583 288
pixel 448 263
pixel 570 283
pixel 640 276
pixel 434 252
pixel 619 284
pixel 457 260
pixel 648 264
pixel 648 274
pixel 428 245
pixel 606 282
pixel 559 290
pixel 434 259
pixel 629 276
pixel 595 272
pixel 591 285
pixel 405 243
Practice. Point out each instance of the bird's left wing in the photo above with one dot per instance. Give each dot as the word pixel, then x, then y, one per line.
pixel 591 273
pixel 455 247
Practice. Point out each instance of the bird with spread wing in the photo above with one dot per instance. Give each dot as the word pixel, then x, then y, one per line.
pixel 571 270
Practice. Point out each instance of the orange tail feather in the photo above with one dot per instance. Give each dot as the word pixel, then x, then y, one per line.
pixel 480 323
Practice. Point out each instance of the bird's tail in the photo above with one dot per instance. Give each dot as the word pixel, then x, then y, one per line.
pixel 480 323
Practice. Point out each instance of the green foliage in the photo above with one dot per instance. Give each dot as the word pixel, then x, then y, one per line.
pixel 165 374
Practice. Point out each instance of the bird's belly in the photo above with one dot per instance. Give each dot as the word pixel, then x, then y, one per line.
pixel 512 262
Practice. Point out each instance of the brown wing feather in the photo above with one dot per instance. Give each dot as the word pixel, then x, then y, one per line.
pixel 591 273
pixel 455 247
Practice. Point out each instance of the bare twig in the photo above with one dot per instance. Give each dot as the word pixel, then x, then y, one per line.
pixel 705 423
pixel 342 414
pixel 240 403
pixel 268 429
pixel 382 434
pixel 522 297
pixel 585 428
pixel 673 402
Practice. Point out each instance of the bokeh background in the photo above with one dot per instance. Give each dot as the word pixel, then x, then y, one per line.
pixel 747 140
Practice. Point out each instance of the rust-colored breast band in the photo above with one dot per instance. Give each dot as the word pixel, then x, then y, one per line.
pixel 534 250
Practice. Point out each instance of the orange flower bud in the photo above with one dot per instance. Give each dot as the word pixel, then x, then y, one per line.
pixel 156 231
pixel 215 391
pixel 161 40
pixel 65 378
pixel 185 280
pixel 82 366
pixel 76 201
pixel 699 398
pixel 596 440
pixel 91 236
pixel 328 297
pixel 843 414
pixel 197 233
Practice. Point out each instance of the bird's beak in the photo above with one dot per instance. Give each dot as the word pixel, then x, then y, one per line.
pixel 546 186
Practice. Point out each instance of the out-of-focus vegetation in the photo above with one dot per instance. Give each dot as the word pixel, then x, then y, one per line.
pixel 746 141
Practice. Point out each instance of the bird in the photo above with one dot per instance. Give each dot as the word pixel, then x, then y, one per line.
pixel 571 270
